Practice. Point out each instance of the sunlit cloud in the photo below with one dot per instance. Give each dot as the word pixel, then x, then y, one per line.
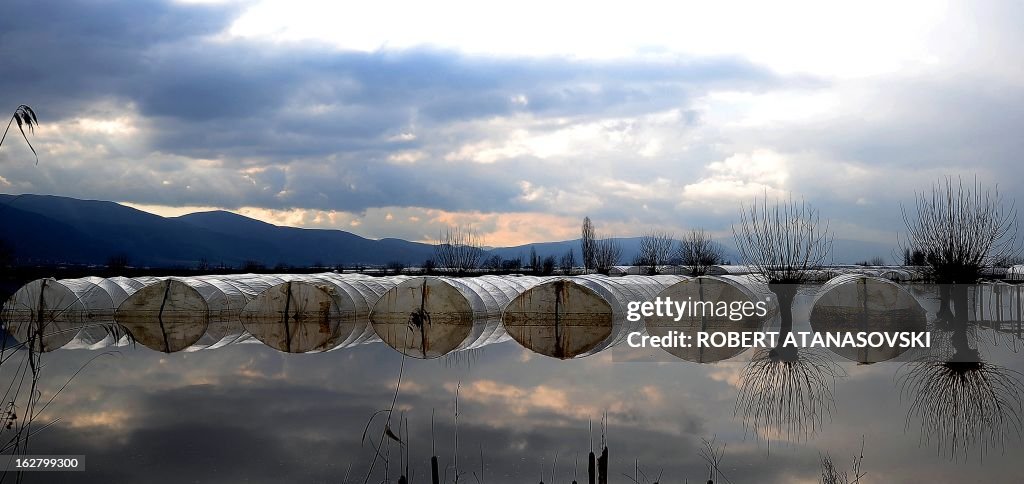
pixel 108 420
pixel 740 177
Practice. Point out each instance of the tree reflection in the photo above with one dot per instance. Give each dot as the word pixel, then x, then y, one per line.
pixel 961 400
pixel 787 392
pixel 963 404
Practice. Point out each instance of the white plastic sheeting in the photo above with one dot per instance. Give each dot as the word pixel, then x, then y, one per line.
pixel 226 297
pixel 179 313
pixel 674 270
pixel 824 274
pixel 579 316
pixel 725 270
pixel 626 270
pixel 107 333
pixel 897 275
pixel 316 312
pixel 60 311
pixel 643 270
pixel 853 303
pixel 431 316
pixel 735 306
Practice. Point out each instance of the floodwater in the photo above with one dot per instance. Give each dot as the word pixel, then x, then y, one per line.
pixel 247 413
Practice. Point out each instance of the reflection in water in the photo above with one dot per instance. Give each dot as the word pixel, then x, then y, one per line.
pixel 853 303
pixel 963 404
pixel 961 400
pixel 516 407
pixel 787 393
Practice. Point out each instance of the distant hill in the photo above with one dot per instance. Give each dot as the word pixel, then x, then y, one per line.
pixel 843 251
pixel 48 229
pixel 45 229
pixel 630 248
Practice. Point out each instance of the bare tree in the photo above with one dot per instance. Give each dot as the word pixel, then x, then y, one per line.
pixel 914 257
pixel 568 262
pixel 429 266
pixel 252 265
pixel 117 263
pixel 512 265
pixel 588 245
pixel 493 263
pixel 962 228
pixel 458 250
pixel 874 261
pixel 655 250
pixel 784 389
pixel 1008 261
pixel 395 267
pixel 961 400
pixel 781 242
pixel 697 252
pixel 547 265
pixel 607 253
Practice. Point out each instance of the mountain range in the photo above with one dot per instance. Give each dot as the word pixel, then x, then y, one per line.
pixel 45 229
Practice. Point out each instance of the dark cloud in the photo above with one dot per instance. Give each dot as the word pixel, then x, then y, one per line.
pixel 241 98
pixel 63 56
pixel 226 101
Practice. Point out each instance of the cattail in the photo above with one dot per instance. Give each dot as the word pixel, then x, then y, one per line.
pixel 591 469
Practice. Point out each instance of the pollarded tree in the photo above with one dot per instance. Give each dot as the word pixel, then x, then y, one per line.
pixel 697 252
pixel 607 253
pixel 547 265
pixel 781 242
pixel 458 250
pixel 784 390
pixel 493 263
pixel 963 228
pixel 655 250
pixel 963 400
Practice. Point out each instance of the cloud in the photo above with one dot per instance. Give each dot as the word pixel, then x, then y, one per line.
pixel 740 177
pixel 185 104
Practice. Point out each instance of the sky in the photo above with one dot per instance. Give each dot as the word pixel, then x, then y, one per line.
pixel 396 119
